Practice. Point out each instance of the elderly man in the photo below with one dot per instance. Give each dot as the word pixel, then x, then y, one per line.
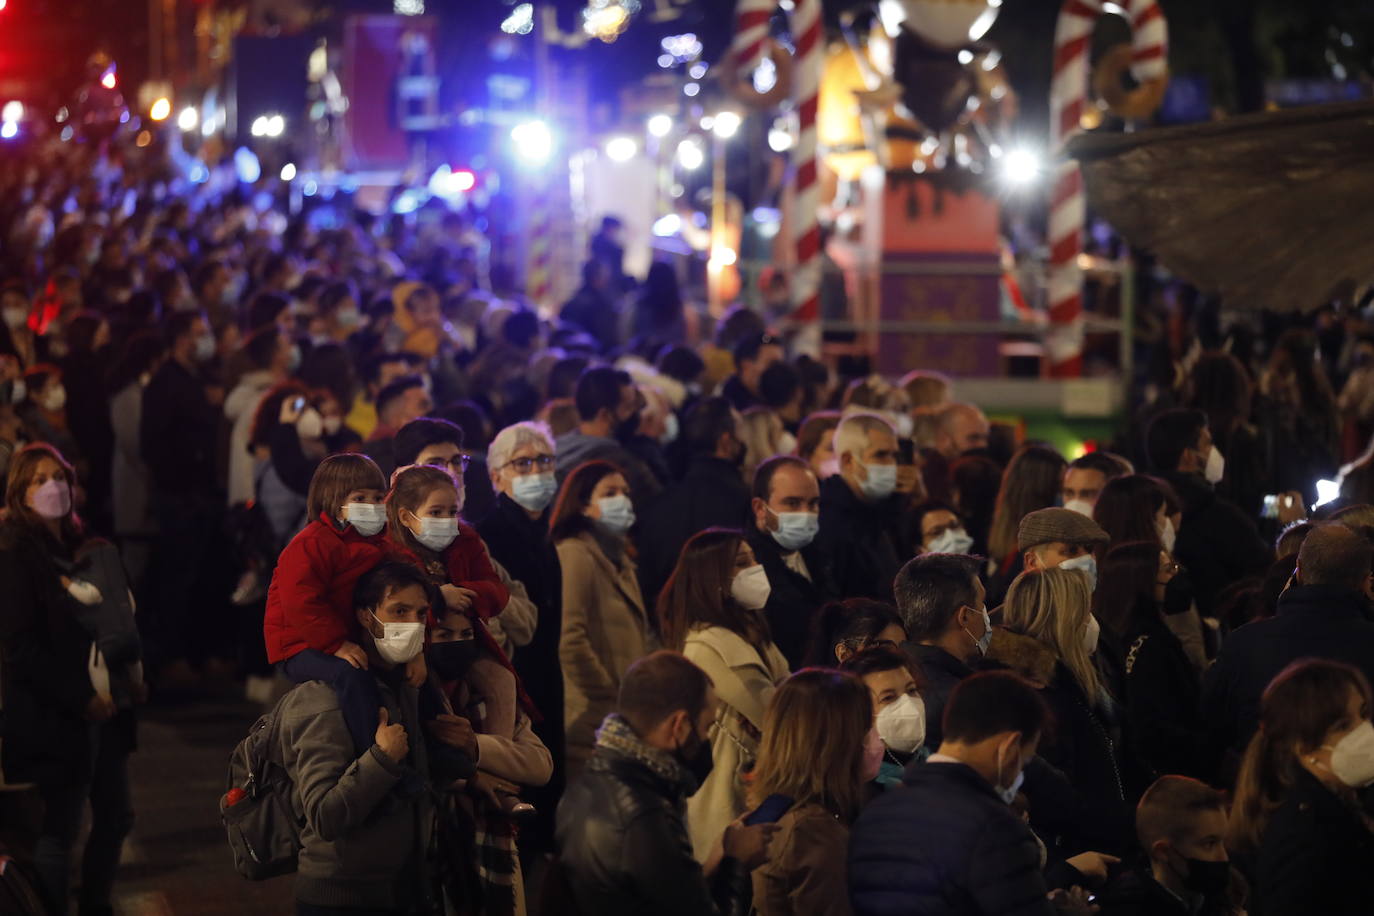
pixel 958 429
pixel 861 509
pixel 1049 538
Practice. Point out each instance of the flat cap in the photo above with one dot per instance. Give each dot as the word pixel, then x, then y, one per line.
pixel 1047 526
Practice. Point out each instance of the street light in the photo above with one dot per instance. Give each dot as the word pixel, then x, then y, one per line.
pixel 690 155
pixel 726 124
pixel 533 142
pixel 188 119
pixel 660 125
pixel 1020 167
pixel 161 109
pixel 621 149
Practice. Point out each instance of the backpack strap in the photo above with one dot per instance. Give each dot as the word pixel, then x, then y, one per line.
pixel 1135 648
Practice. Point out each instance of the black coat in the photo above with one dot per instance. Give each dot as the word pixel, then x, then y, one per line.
pixel 944 845
pixel 522 546
pixel 1162 696
pixel 46 683
pixel 623 843
pixel 180 433
pixel 1218 542
pixel 793 599
pixel 1313 621
pixel 713 494
pixel 1137 893
pixel 942 673
pixel 1316 856
pixel 861 540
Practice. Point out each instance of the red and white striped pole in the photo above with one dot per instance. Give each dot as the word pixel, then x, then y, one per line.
pixel 747 50
pixel 1068 101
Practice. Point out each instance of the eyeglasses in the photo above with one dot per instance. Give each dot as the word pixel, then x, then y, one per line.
pixel 525 465
pixel 457 464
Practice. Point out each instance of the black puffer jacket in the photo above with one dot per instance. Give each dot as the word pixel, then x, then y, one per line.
pixel 623 843
pixel 944 845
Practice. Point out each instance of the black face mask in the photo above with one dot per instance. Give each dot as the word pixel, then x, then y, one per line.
pixel 1206 878
pixel 451 660
pixel 698 761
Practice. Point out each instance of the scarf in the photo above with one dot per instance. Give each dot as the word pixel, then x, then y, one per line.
pixel 617 737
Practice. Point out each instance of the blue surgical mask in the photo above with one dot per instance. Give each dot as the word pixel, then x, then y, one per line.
pixel 795 529
pixel 617 514
pixel 437 533
pixel 984 641
pixel 205 348
pixel 881 482
pixel 1086 563
pixel 366 518
pixel 534 492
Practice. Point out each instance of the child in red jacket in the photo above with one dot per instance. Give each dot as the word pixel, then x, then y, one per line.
pixel 424 529
pixel 309 624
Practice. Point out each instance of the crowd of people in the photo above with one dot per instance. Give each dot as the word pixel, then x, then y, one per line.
pixel 625 610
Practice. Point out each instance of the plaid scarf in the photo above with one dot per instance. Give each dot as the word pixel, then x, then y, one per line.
pixel 617 737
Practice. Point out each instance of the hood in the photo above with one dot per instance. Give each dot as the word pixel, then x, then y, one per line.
pixel 576 447
pixel 1025 655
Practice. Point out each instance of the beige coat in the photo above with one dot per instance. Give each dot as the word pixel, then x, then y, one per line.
pixel 605 628
pixel 805 874
pixel 744 680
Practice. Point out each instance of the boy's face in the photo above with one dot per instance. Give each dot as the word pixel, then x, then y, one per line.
pixel 1206 841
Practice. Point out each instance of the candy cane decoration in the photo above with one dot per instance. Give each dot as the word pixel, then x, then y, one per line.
pixel 747 51
pixel 1068 101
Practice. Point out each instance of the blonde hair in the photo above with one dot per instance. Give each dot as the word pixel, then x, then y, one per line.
pixel 853 433
pixel 812 749
pixel 1052 606
pixel 761 431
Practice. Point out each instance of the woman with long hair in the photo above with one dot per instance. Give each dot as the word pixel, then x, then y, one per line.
pixel 711 611
pixel 1296 810
pixel 1032 481
pixel 843 628
pixel 1049 635
pixel 894 682
pixel 605 625
pixel 816 443
pixel 1160 685
pixel 818 752
pixel 1301 415
pixel 72 674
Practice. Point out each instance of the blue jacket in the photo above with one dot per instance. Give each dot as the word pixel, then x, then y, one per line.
pixel 946 845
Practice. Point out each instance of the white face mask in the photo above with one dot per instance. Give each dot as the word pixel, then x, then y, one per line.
pixel 905 425
pixel 1008 793
pixel 15 317
pixel 400 642
pixel 1352 758
pixel 1081 506
pixel 332 425
pixel 1091 633
pixel 881 481
pixel 1167 535
pixel 310 425
pixel 437 533
pixel 951 540
pixel 751 588
pixel 787 445
pixel 1216 466
pixel 55 399
pixel 902 723
pixel 1086 563
pixel 366 518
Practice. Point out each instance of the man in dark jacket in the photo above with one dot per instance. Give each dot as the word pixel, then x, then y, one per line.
pixel 1322 614
pixel 622 829
pixel 364 819
pixel 1217 542
pixel 786 507
pixel 1181 825
pixel 516 532
pixel 949 843
pixel 941 600
pixel 861 509
pixel 753 355
pixel 712 494
pixel 608 408
pixel 177 441
pixel 592 308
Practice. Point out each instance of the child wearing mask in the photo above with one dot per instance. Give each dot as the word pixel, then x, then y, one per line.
pixel 308 625
pixel 424 529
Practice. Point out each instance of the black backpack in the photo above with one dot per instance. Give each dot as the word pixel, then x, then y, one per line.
pixel 264 831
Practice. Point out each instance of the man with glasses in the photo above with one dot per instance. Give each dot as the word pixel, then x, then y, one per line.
pixel 439 443
pixel 521 469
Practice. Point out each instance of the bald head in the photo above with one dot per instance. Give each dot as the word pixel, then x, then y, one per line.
pixel 1336 556
pixel 960 428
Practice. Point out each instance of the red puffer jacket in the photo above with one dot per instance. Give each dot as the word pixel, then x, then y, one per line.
pixel 310 601
pixel 467 565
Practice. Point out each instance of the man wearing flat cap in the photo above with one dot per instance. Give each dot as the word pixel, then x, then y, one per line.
pixel 1050 538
